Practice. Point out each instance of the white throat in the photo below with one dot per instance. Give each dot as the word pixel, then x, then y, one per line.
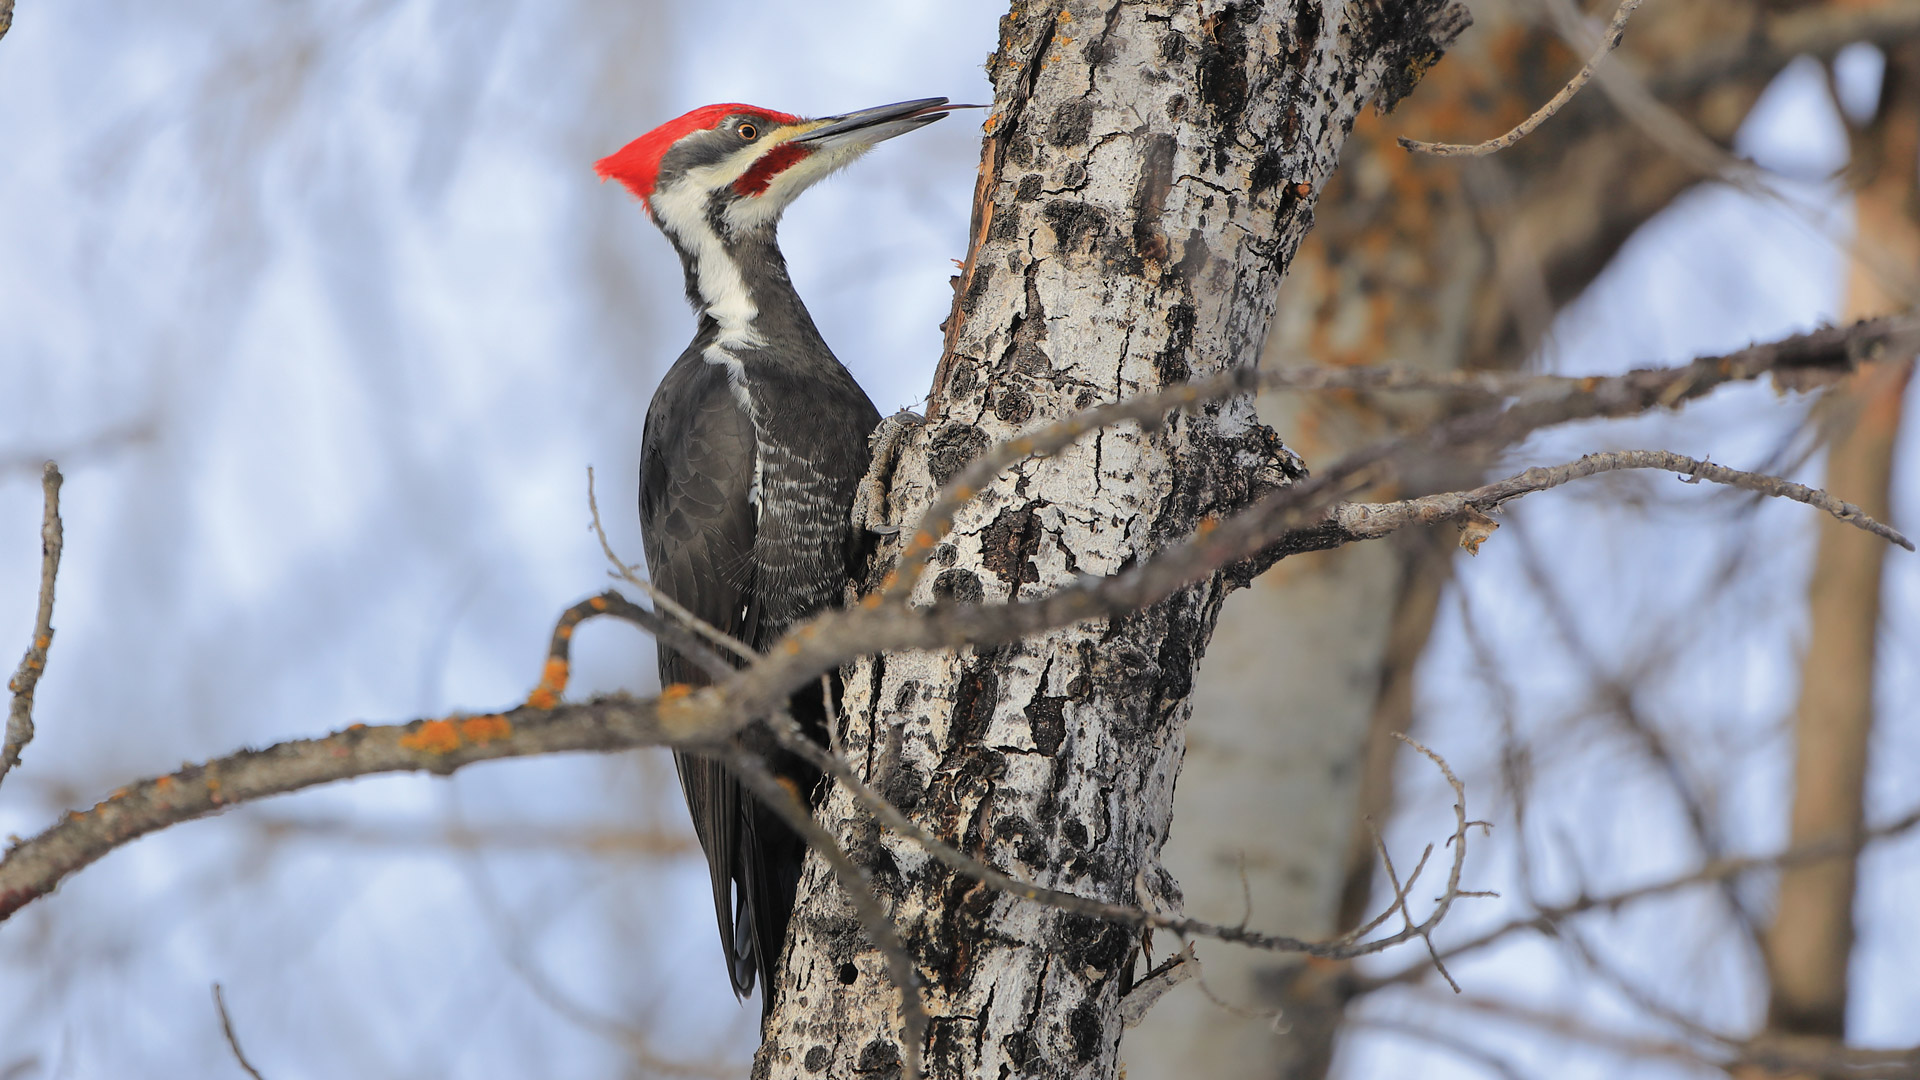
pixel 682 211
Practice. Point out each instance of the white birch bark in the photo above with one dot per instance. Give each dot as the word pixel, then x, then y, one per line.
pixel 1150 171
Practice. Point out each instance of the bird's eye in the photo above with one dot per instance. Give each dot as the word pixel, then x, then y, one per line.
pixel 749 132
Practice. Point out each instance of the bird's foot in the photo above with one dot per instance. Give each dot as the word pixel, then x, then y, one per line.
pixel 886 442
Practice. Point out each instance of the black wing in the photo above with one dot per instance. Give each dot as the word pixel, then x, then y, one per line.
pixel 696 476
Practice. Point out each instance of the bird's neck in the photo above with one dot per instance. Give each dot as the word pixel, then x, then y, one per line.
pixel 739 283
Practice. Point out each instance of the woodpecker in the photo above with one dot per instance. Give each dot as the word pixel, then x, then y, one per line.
pixel 755 443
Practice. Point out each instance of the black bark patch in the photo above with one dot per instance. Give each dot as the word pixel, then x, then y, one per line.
pixel 960 586
pixel 951 448
pixel 1100 49
pixel 1084 1025
pixel 1074 831
pixel 1008 545
pixel 1268 171
pixel 1176 656
pixel 1028 846
pixel 1047 717
pixel 976 288
pixel 1076 225
pixel 1071 122
pixel 879 1058
pixel 1026 334
pixel 1172 47
pixel 962 381
pixel 1015 406
pixel 974 701
pixel 848 974
pixel 1150 197
pixel 1222 72
pixel 1410 38
pixel 1021 1048
pixel 1172 361
pixel 1306 25
pixel 1193 259
pixel 1006 224
pixel 817 1058
pixel 1029 188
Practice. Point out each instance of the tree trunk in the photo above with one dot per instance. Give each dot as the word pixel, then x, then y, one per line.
pixel 1149 173
pixel 1446 264
pixel 1811 940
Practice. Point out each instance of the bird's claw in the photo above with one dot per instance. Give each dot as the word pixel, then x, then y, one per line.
pixel 885 444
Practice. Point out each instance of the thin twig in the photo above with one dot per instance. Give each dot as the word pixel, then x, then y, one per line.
pixel 233 1041
pixel 754 773
pixel 27 676
pixel 661 600
pixel 1361 518
pixel 1547 919
pixel 1610 41
pixel 1342 948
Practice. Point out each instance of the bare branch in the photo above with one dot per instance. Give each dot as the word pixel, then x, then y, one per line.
pixel 1546 919
pixel 1137 918
pixel 1720 1054
pixel 32 868
pixel 27 676
pixel 1362 518
pixel 233 1041
pixel 1616 29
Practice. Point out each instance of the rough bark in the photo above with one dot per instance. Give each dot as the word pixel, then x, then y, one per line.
pixel 1150 171
pixel 1811 940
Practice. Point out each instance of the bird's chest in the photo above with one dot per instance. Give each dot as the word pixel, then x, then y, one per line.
pixel 808 459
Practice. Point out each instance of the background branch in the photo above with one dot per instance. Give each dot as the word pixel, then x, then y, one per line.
pixel 27 675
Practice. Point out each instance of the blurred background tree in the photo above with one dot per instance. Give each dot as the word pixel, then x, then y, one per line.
pixel 320 309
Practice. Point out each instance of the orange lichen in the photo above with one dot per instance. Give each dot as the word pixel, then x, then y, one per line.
pixel 598 603
pixel 675 691
pixel 563 631
pixel 553 683
pixel 432 737
pixel 1207 525
pixel 481 730
pixel 922 540
pixel 963 493
pixel 870 601
pixel 163 783
pixel 119 793
pixel 356 727
pixel 44 641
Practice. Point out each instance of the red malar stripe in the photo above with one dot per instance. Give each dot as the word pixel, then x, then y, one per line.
pixel 771 164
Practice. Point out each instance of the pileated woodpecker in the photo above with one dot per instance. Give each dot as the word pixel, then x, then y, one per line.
pixel 755 443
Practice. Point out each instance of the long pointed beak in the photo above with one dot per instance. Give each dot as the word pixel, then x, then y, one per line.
pixel 869 126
